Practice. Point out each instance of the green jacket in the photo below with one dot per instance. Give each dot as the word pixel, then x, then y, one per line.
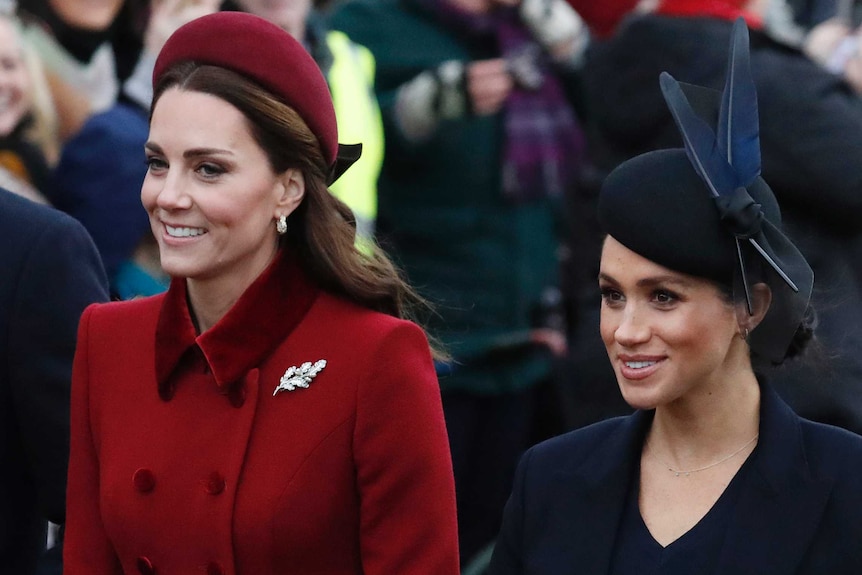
pixel 480 260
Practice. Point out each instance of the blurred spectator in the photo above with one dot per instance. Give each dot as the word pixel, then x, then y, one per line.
pixel 98 178
pixel 834 43
pixel 811 134
pixel 482 145
pixel 89 48
pixel 26 118
pixel 51 272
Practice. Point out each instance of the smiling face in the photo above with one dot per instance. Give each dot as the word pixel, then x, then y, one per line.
pixel 669 336
pixel 14 79
pixel 210 191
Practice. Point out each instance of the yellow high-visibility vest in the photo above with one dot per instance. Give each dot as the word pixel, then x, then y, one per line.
pixel 351 81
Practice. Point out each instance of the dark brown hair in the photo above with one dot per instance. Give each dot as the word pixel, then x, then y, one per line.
pixel 322 230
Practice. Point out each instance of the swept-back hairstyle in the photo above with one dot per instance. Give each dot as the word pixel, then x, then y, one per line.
pixel 322 230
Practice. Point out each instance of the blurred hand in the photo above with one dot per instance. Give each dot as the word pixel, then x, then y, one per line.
pixel 552 339
pixel 488 84
pixel 853 72
pixel 823 40
pixel 558 28
pixel 168 15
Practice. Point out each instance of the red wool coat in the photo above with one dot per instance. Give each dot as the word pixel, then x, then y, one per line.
pixel 183 461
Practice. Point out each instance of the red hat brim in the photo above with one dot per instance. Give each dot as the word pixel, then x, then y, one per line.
pixel 263 52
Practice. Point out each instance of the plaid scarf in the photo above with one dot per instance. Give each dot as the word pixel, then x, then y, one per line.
pixel 544 145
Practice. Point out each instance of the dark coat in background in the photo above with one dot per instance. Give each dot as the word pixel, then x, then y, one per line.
pixel 50 273
pixel 797 512
pixel 811 141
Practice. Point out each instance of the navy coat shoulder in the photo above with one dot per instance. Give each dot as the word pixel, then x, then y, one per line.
pixel 50 272
pixel 798 514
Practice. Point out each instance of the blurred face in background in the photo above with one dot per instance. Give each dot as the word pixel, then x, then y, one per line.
pixel 15 88
pixel 289 15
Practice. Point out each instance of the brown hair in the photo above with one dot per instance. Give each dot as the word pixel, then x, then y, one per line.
pixel 322 229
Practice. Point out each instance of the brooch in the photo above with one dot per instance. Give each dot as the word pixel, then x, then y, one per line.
pixel 300 376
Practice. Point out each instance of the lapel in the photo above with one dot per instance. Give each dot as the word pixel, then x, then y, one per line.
pixel 264 315
pixel 781 506
pixel 598 488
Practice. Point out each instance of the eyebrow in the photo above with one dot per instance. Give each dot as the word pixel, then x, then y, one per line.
pixel 651 281
pixel 193 153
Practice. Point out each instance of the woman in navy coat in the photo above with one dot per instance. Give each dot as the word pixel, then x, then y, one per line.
pixel 273 412
pixel 713 474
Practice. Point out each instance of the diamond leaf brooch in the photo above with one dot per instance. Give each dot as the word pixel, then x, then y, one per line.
pixel 296 377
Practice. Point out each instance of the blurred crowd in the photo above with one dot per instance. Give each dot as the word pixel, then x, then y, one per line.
pixel 487 128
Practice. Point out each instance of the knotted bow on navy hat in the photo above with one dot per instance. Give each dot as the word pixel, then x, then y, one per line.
pixel 704 210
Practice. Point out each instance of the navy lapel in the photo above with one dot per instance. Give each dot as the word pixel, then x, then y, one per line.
pixel 780 506
pixel 599 487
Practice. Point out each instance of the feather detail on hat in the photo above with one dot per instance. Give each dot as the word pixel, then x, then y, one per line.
pixel 729 162
pixel 738 121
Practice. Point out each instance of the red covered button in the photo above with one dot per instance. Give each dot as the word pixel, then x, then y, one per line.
pixel 236 396
pixel 215 483
pixel 145 566
pixel 144 480
pixel 215 569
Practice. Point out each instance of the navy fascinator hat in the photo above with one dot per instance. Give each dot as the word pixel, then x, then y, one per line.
pixel 705 211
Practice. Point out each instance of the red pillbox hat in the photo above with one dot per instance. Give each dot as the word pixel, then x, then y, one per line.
pixel 263 52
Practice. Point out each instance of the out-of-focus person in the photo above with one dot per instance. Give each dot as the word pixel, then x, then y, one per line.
pixel 98 177
pixel 51 272
pixel 88 47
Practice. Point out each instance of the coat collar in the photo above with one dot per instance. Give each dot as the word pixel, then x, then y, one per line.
pixel 781 507
pixel 776 516
pixel 264 315
pixel 600 486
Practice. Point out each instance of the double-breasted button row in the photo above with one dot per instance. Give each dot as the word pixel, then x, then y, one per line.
pixel 145 481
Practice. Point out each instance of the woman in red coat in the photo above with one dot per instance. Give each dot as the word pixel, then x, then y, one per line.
pixel 272 412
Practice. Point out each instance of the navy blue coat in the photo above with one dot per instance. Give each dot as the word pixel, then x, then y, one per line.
pixel 798 514
pixel 49 272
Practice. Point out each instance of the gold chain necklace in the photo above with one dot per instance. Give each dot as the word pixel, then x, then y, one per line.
pixel 687 472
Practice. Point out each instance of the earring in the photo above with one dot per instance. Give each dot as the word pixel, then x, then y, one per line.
pixel 281 225
pixel 744 334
